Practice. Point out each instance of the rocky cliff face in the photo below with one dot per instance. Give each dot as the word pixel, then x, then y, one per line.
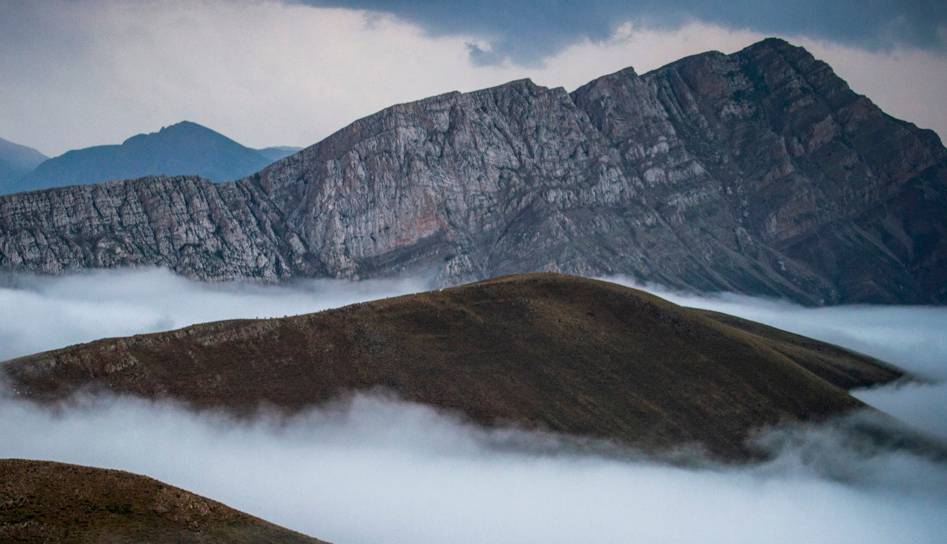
pixel 767 154
pixel 215 232
pixel 757 172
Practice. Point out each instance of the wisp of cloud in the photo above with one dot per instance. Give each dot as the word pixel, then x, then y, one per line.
pixel 376 470
pixel 38 313
pixel 379 470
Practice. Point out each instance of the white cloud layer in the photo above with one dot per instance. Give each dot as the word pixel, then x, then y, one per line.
pixel 265 72
pixel 38 313
pixel 378 471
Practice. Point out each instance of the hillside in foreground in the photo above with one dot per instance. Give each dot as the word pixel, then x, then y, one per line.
pixel 539 351
pixel 42 501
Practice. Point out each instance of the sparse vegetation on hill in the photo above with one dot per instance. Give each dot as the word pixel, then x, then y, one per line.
pixel 42 501
pixel 540 351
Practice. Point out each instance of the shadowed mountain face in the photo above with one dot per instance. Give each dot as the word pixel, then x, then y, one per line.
pixel 759 172
pixel 541 351
pixel 15 161
pixel 55 502
pixel 184 148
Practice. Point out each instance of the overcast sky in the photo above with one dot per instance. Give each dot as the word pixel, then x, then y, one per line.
pixel 87 72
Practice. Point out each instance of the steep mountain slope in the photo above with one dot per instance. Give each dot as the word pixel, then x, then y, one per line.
pixel 42 501
pixel 758 172
pixel 567 354
pixel 768 154
pixel 15 161
pixel 212 231
pixel 183 148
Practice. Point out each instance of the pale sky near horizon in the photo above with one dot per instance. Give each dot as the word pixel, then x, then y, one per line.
pixel 268 72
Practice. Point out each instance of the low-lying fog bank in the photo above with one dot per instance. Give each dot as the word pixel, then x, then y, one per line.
pixel 377 470
pixel 381 471
pixel 38 313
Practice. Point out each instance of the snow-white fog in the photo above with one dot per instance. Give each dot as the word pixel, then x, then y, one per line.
pixel 376 470
pixel 38 313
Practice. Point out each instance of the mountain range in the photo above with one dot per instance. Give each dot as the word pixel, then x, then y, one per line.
pixel 182 148
pixel 758 172
pixel 16 161
pixel 574 356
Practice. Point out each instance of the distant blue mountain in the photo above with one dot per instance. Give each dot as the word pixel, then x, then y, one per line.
pixel 16 161
pixel 278 152
pixel 183 148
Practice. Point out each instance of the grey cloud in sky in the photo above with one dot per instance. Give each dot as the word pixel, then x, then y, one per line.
pixel 273 72
pixel 529 30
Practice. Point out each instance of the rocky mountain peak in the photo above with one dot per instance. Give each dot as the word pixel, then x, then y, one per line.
pixel 180 130
pixel 759 172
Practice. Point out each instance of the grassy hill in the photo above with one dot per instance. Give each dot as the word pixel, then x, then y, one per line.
pixel 42 501
pixel 541 351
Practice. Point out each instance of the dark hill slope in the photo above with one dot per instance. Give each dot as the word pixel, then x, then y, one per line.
pixel 42 501
pixel 839 366
pixel 566 354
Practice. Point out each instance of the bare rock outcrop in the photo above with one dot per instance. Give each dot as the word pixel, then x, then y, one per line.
pixel 758 172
